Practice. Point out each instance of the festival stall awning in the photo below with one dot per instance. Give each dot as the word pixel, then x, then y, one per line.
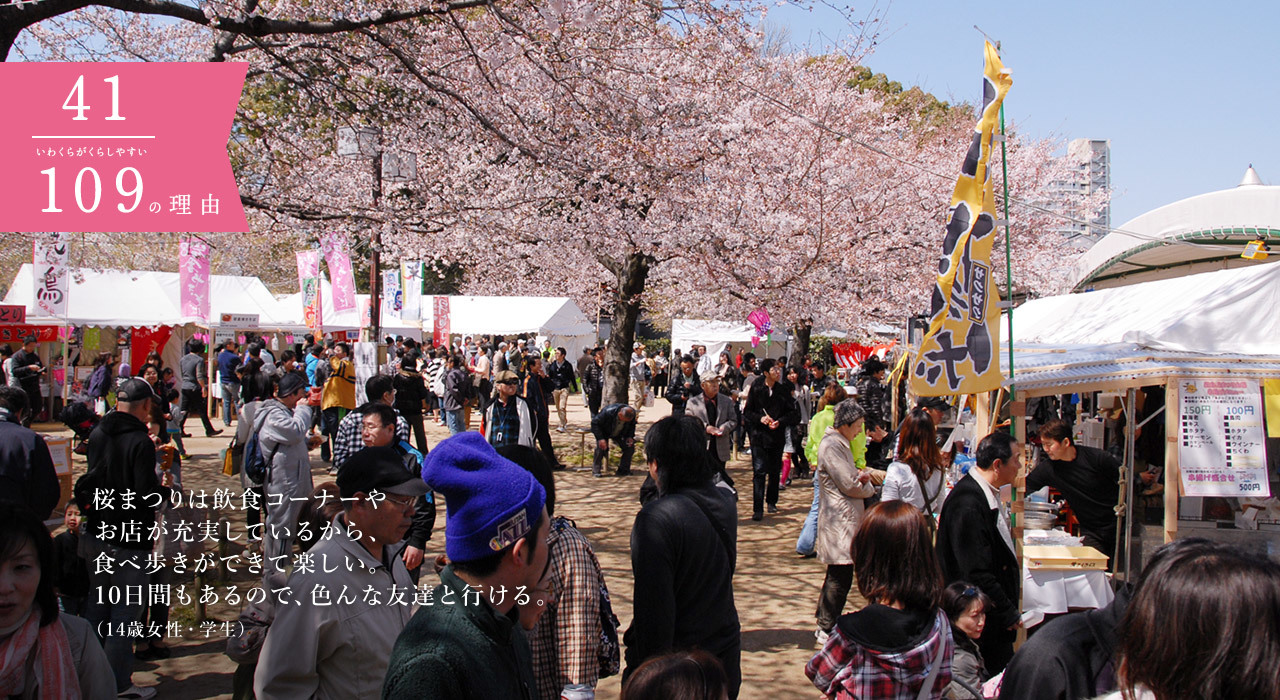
pixel 556 318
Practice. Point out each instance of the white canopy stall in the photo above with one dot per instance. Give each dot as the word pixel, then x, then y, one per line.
pixel 556 318
pixel 686 332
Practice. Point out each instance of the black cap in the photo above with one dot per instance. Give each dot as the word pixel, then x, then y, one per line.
pixel 378 469
pixel 291 382
pixel 135 389
pixel 933 402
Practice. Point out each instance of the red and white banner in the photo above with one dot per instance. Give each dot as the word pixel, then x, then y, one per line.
pixel 43 334
pixel 193 278
pixel 143 341
pixel 440 322
pixel 50 274
pixel 309 285
pixel 850 355
pixel 341 279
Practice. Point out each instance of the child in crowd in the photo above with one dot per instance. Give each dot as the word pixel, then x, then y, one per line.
pixel 966 607
pixel 174 426
pixel 71 577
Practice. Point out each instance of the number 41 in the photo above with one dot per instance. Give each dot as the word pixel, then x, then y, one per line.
pixel 77 93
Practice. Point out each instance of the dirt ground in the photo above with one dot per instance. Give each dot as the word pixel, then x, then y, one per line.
pixel 775 590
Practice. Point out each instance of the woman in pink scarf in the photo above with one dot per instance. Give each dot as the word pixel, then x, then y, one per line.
pixel 43 653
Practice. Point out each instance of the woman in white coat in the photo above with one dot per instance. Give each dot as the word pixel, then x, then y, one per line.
pixel 917 474
pixel 841 490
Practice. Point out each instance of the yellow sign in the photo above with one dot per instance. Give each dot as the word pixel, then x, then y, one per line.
pixel 1271 398
pixel 958 353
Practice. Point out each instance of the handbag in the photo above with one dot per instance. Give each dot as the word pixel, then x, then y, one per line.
pixel 314 396
pixel 232 457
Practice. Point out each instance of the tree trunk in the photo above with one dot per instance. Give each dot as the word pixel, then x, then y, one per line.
pixel 626 311
pixel 800 344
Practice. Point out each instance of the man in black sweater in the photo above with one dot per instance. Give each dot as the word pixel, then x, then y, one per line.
pixel 1089 478
pixel 975 543
pixel 770 410
pixel 27 369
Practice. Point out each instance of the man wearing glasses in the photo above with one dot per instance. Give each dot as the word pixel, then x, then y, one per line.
pixel 509 420
pixel 335 635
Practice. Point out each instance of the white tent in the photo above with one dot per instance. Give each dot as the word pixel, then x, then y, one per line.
pixel 145 298
pixel 686 332
pixel 1228 311
pixel 290 307
pixel 556 318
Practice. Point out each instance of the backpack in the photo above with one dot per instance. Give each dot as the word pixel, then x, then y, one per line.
pixel 256 466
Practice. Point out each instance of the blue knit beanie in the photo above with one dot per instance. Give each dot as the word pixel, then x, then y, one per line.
pixel 491 501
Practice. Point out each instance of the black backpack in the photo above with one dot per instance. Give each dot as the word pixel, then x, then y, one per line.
pixel 257 467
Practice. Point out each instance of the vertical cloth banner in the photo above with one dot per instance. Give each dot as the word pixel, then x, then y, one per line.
pixel 193 273
pixel 50 275
pixel 343 282
pixel 144 341
pixel 309 285
pixel 411 279
pixel 440 322
pixel 957 354
pixel 392 297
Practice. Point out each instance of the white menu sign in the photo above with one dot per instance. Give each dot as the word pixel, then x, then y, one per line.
pixel 1220 433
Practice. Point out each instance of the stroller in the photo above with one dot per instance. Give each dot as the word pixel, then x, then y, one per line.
pixel 78 416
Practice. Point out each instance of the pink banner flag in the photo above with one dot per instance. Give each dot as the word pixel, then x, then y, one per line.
pixel 193 274
pixel 440 321
pixel 342 281
pixel 120 147
pixel 309 285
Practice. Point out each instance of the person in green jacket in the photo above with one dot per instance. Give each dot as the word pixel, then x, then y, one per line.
pixel 465 641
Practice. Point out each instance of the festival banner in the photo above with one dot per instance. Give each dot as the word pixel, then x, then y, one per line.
pixel 15 334
pixel 193 278
pixel 411 278
pixel 392 298
pixel 144 340
pixel 440 322
pixel 49 274
pixel 341 280
pixel 309 285
pixel 958 353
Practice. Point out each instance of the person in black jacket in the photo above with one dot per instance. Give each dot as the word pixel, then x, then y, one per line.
pixel 27 369
pixel 537 389
pixel 616 422
pixel 411 397
pixel 26 466
pixel 121 458
pixel 975 543
pixel 683 555
pixel 379 430
pixel 562 379
pixel 684 385
pixel 770 411
pixel 71 571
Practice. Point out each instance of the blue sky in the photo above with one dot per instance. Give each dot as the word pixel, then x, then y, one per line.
pixel 1186 92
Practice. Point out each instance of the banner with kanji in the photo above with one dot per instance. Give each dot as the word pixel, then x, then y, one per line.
pixel 193 278
pixel 411 280
pixel 143 341
pixel 440 321
pixel 342 282
pixel 309 286
pixel 50 275
pixel 392 299
pixel 958 353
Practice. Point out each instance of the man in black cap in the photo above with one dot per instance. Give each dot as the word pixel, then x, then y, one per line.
pixel 27 369
pixel 282 424
pixel 334 639
pixel 121 458
pixel 936 406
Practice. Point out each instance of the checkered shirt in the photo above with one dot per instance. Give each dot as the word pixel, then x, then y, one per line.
pixel 846 670
pixel 349 441
pixel 566 642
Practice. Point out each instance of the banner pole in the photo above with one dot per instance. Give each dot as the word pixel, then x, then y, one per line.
pixel 1008 250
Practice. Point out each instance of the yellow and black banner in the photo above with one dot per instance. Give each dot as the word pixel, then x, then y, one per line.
pixel 958 353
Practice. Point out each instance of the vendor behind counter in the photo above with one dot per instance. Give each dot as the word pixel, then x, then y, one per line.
pixel 1087 477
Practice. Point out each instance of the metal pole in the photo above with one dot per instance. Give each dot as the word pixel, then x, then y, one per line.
pixel 1008 251
pixel 1127 485
pixel 375 279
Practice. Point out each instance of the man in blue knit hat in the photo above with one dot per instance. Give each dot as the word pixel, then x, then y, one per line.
pixel 465 641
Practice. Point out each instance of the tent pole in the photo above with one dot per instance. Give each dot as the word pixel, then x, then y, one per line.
pixel 1008 250
pixel 1172 469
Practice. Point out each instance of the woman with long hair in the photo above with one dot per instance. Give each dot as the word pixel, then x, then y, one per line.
pixel 917 474
pixel 1206 626
pixel 899 646
pixel 43 653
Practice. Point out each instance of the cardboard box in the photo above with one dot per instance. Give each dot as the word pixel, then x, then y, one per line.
pixel 60 450
pixel 1064 558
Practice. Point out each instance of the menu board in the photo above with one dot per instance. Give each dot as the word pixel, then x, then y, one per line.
pixel 1221 448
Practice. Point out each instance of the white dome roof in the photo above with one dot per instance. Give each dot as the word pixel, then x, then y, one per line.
pixel 1197 234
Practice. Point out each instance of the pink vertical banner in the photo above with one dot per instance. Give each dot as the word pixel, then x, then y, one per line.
pixel 440 321
pixel 50 274
pixel 366 315
pixel 193 274
pixel 341 279
pixel 309 286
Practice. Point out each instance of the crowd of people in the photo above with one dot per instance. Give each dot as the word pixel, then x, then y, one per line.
pixel 920 597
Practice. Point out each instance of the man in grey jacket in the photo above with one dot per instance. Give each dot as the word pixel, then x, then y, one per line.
pixel 281 424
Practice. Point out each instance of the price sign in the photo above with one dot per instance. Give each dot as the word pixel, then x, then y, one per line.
pixel 240 320
pixel 1221 449
pixel 12 314
pixel 119 147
